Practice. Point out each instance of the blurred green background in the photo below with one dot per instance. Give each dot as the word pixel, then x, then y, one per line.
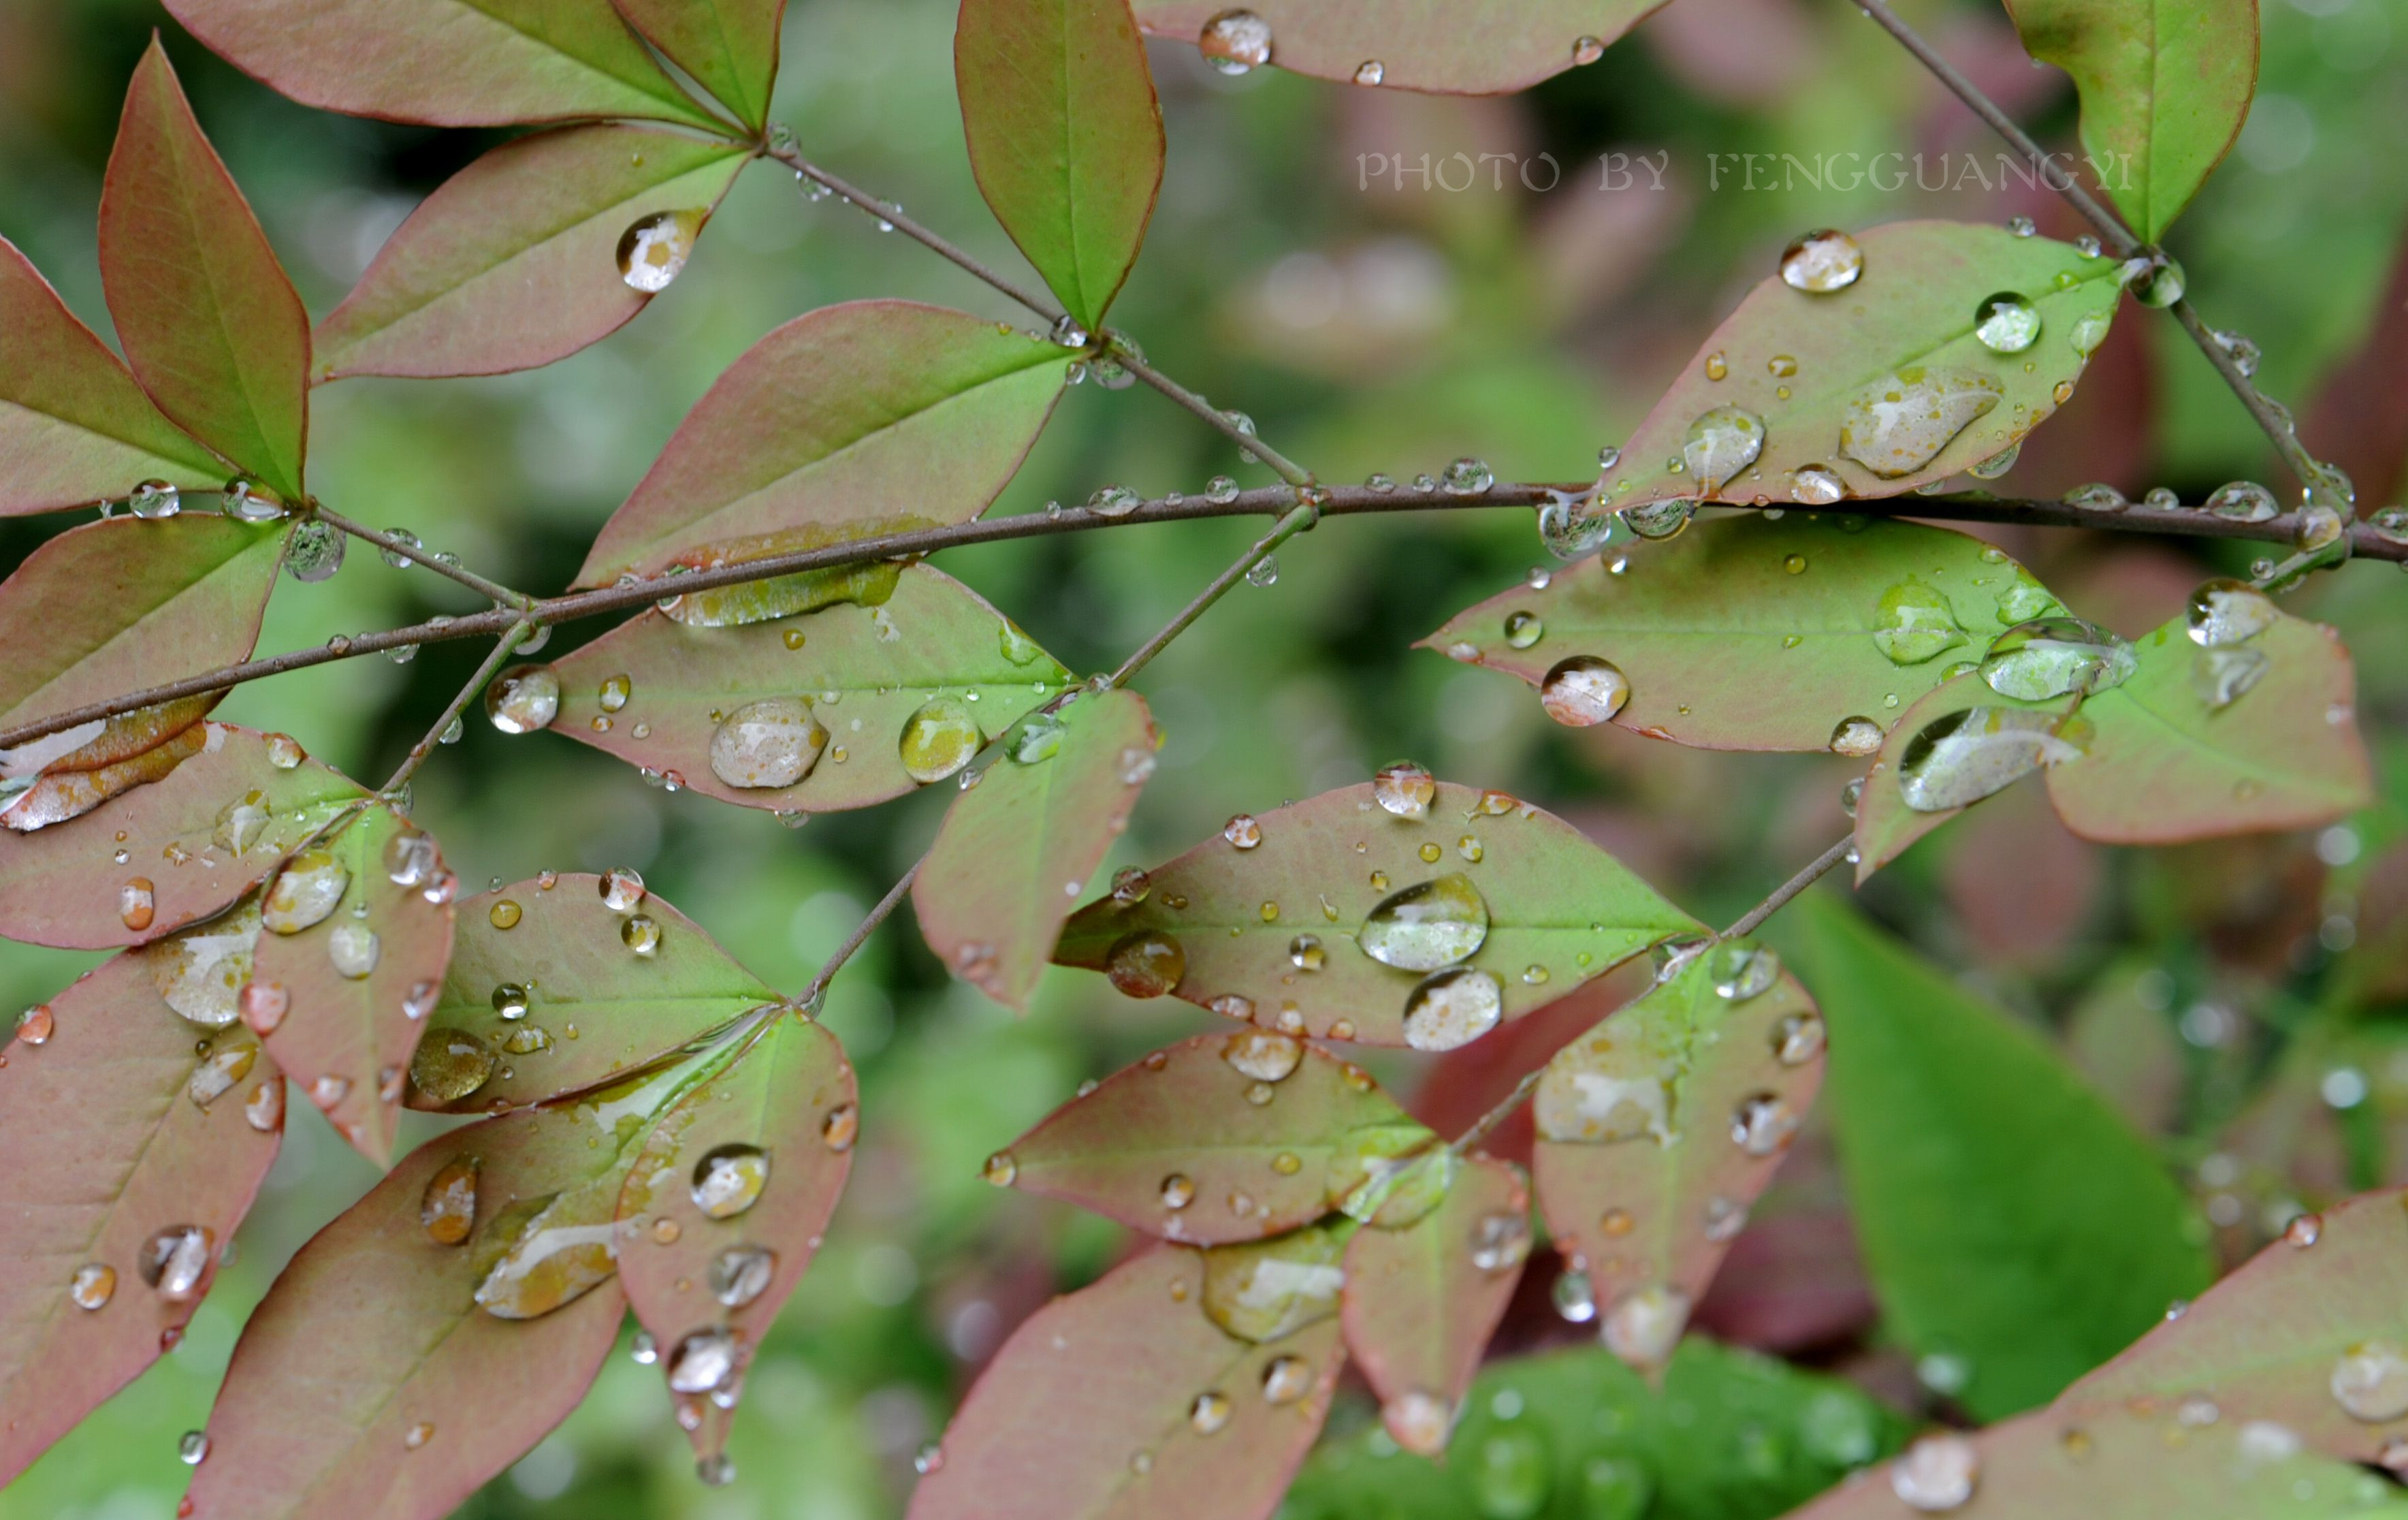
pixel 1365 329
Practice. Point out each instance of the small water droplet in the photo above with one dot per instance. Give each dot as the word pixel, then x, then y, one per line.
pixel 1261 1055
pixel 1719 444
pixel 1936 1473
pixel 702 1362
pixel 1501 1240
pixel 2051 657
pixel 448 1208
pixel 1467 477
pixel 95 1284
pixel 2006 323
pixel 1645 1324
pixel 1418 1421
pixel 641 934
pixel 1235 41
pixel 174 1260
pixel 35 1024
pixel 1371 72
pixel 136 904
pixel 1523 629
pixel 313 551
pixel 1404 789
pixel 1820 263
pixel 522 700
pixel 1584 691
pixel 1763 1125
pixel 354 950
pixel 2154 279
pixel 1146 963
pixel 742 1273
pixel 728 1180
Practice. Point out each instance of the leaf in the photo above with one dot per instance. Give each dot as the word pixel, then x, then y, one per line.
pixel 95 611
pixel 105 1142
pixel 369 1383
pixel 2379 964
pixel 1905 327
pixel 1091 1409
pixel 2119 1465
pixel 211 326
pixel 1065 137
pixel 1017 849
pixel 74 427
pixel 515 262
pixel 2080 1239
pixel 592 1005
pixel 1177 1147
pixel 872 411
pixel 193 842
pixel 1559 911
pixel 2165 85
pixel 1887 826
pixel 1476 46
pixel 789 1098
pixel 1422 1301
pixel 729 46
pixel 2164 767
pixel 1706 625
pixel 861 672
pixel 1659 1129
pixel 445 62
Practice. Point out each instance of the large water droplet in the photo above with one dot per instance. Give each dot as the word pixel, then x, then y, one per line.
pixel 1819 263
pixel 2006 323
pixel 450 1064
pixel 2154 279
pixel 1900 423
pixel 523 698
pixel 1263 1054
pixel 1721 443
pixel 1574 1296
pixel 2222 677
pixel 1419 1420
pixel 1428 926
pixel 728 1180
pixel 202 972
pixel 1742 971
pixel 2245 501
pixel 742 1273
pixel 1645 1325
pixel 218 1071
pixel 314 552
pixel 306 890
pixel 2370 1382
pixel 621 890
pixel 2047 657
pixel 1034 738
pixel 1584 691
pixel 353 949
pixel 702 1362
pixel 1855 737
pixel 1914 622
pixel 939 738
pixel 1937 1473
pixel 2222 613
pixel 448 1208
pixel 1209 1412
pixel 1656 521
pixel 1959 758
pixel 770 744
pixel 653 251
pixel 1453 1009
pixel 174 1260
pixel 1235 41
pixel 1466 477
pixel 1262 1290
pixel 1146 963
pixel 1816 485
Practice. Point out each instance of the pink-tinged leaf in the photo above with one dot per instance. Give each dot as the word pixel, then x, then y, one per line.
pixel 734 711
pixel 193 842
pixel 2165 765
pixel 211 326
pixel 1263 921
pixel 369 1384
pixel 353 957
pixel 1841 615
pixel 74 427
pixel 552 991
pixel 517 260
pixel 2380 957
pixel 1659 1130
pixel 445 62
pixel 113 606
pixel 1888 367
pixel 1017 849
pixel 2118 1465
pixel 1123 1400
pixel 730 46
pixel 1065 137
pixel 2127 1049
pixel 132 750
pixel 112 1131
pixel 873 412
pixel 1422 1301
pixel 1887 825
pixel 787 1103
pixel 1478 46
pixel 1179 1145
pixel 2360 418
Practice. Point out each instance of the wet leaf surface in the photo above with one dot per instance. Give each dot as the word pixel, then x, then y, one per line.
pixel 729 46
pixel 1482 47
pixel 1887 826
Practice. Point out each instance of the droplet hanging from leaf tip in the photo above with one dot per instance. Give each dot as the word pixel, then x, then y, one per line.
pixel 653 251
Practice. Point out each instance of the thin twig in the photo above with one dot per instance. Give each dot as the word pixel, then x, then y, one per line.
pixel 1293 473
pixel 2274 422
pixel 417 554
pixel 809 998
pixel 503 648
pixel 1287 527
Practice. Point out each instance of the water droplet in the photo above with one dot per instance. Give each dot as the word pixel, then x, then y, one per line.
pixel 1427 926
pixel 2319 527
pixel 35 1024
pixel 641 934
pixel 1453 1009
pixel 1763 1125
pixel 1742 971
pixel 448 1208
pixel 653 251
pixel 1404 789
pixel 728 1180
pixel 1466 477
pixel 1822 262
pixel 1656 521
pixel 2006 323
pixel 2154 279
pixel 1937 1473
pixel 1522 629
pixel 770 744
pixel 1998 463
pixel 1574 1296
pixel 1235 41
pixel 136 904
pixel 742 1273
pixel 1720 443
pixel 939 739
pixel 193 1448
pixel 1898 424
pixel 621 890
pixel 1000 1168
pixel 1243 832
pixel 418 1435
pixel 2222 677
pixel 1959 758
pixel 1816 485
pixel 1418 1421
pixel 2096 497
pixel 1501 1240
pixel 1261 1055
pixel 313 551
pixel 1587 51
pixel 353 949
pixel 153 500
pixel 305 893
pixel 2370 1382
pixel 174 1260
pixel 523 698
pixel 2221 613
pixel 1146 963
pixel 1584 691
pixel 1914 623
pixel 2049 657
pixel 95 1284
pixel 1645 1324
pixel 702 1362
pixel 450 1064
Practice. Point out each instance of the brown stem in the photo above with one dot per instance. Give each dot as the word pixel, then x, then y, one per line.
pixel 1287 527
pixel 809 998
pixel 503 648
pixel 417 554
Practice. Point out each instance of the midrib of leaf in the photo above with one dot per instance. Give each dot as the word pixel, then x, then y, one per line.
pixel 1070 166
pixel 674 97
pixel 184 177
pixel 1127 1478
pixel 736 76
pixel 2156 104
pixel 105 432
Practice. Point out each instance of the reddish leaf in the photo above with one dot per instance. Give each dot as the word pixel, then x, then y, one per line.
pixel 1700 626
pixel 1423 1300
pixel 1886 825
pixel 658 693
pixel 353 958
pixel 211 326
pixel 789 1099
pixel 1178 1146
pixel 516 260
pixel 445 62
pixel 589 1003
pixel 1269 923
pixel 369 1385
pixel 74 427
pixel 1480 46
pixel 133 749
pixel 1065 137
pixel 1018 848
pixel 198 839
pixel 111 1132
pixel 730 46
pixel 885 413
pixel 1659 1130
pixel 1098 1406
pixel 2359 419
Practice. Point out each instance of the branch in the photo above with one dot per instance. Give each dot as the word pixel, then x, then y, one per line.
pixel 1294 474
pixel 503 649
pixel 812 996
pixel 1288 527
pixel 417 554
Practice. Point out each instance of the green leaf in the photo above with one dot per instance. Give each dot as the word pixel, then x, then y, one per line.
pixel 353 954
pixel 445 62
pixel 74 426
pixel 1178 1146
pixel 2008 1216
pixel 1065 137
pixel 211 326
pixel 1274 923
pixel 112 1130
pixel 2165 85
pixel 2165 765
pixel 1818 371
pixel 515 262
pixel 414 1395
pixel 862 673
pixel 1659 1128
pixel 1471 46
pixel 730 46
pixel 1707 627
pixel 1886 825
pixel 885 413
pixel 1097 1407
pixel 548 994
pixel 1018 847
